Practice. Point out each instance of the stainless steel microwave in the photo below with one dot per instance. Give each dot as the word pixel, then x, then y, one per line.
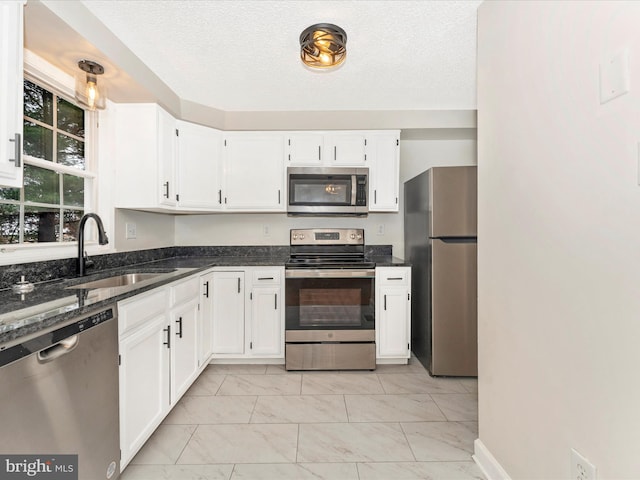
pixel 327 191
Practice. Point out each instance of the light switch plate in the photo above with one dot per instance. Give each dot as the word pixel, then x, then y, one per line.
pixel 130 231
pixel 614 76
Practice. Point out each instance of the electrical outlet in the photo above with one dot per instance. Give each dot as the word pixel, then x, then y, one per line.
pixel 380 229
pixel 581 468
pixel 266 231
pixel 130 231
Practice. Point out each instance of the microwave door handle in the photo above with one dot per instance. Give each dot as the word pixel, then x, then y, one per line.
pixel 354 188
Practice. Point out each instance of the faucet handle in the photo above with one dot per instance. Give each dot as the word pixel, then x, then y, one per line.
pixel 88 263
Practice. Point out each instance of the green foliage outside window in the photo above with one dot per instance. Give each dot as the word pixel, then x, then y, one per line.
pixel 51 202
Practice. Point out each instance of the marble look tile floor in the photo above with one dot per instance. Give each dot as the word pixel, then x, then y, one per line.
pixel 260 422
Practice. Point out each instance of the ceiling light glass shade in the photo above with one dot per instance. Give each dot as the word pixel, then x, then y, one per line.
pixel 323 46
pixel 88 93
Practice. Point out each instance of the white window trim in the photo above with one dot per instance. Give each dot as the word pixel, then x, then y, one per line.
pixel 44 73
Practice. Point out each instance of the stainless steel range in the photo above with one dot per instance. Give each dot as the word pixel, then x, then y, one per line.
pixel 330 298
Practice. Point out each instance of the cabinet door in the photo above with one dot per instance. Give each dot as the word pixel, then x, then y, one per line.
pixel 184 348
pixel 205 326
pixel 254 172
pixel 11 86
pixel 304 149
pixel 199 166
pixel 393 322
pixel 167 158
pixel 267 328
pixel 384 172
pixel 144 385
pixel 346 149
pixel 228 312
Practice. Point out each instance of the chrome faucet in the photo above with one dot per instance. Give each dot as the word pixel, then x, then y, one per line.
pixel 102 240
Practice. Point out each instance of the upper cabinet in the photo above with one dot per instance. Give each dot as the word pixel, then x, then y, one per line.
pixel 327 149
pixel 11 28
pixel 254 173
pixel 345 149
pixel 383 158
pixel 379 150
pixel 199 167
pixel 145 157
pixel 163 164
pixel 304 149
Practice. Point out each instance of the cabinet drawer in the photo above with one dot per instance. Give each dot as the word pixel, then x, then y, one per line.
pixel 184 291
pixel 269 276
pixel 137 310
pixel 393 276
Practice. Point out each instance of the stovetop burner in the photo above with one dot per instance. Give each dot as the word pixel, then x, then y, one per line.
pixel 328 248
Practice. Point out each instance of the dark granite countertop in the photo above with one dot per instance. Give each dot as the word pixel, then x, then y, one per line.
pixel 53 303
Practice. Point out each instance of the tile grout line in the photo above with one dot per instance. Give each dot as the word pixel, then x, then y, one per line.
pixel 186 444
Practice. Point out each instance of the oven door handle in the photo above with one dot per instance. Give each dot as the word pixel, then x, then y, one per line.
pixel 329 273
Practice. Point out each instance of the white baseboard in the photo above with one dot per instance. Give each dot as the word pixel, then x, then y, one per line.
pixel 487 462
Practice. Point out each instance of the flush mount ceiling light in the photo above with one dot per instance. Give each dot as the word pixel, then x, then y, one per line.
pixel 88 93
pixel 323 45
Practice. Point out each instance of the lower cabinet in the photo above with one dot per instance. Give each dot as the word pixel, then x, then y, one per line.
pixel 158 357
pixel 144 384
pixel 393 313
pixel 248 314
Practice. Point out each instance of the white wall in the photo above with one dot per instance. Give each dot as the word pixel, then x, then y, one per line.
pixel 153 230
pixel 248 229
pixel 559 229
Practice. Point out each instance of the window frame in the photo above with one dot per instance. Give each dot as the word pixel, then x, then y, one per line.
pixel 48 76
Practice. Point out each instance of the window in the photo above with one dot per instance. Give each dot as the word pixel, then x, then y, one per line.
pixel 57 181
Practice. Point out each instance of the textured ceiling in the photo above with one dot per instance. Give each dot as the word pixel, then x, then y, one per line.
pixel 243 55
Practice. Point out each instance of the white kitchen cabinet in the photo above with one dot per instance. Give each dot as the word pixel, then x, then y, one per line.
pixel 304 149
pixel 345 149
pixel 205 330
pixel 199 163
pixel 228 312
pixel 184 298
pixel 249 322
pixel 144 371
pixel 254 171
pixel 145 157
pixel 393 313
pixel 327 149
pixel 383 157
pixel 11 87
pixel 266 337
pixel 158 358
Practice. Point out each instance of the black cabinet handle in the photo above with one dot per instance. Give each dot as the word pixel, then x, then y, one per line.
pixel 265 278
pixel 278 197
pixel 275 305
pixel 168 330
pixel 394 278
pixel 238 284
pixel 220 197
pixel 166 191
pixel 385 302
pixel 319 153
pixel 335 153
pixel 206 289
pixel 179 332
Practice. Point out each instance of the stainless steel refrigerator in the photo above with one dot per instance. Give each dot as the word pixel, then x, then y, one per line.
pixel 440 236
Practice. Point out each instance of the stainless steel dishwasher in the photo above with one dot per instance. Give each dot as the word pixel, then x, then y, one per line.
pixel 59 394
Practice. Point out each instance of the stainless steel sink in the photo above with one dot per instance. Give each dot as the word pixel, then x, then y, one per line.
pixel 117 281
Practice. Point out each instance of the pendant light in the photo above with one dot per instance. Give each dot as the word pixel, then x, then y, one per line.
pixel 88 92
pixel 323 45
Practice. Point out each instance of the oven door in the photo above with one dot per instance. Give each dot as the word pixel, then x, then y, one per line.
pixel 330 299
